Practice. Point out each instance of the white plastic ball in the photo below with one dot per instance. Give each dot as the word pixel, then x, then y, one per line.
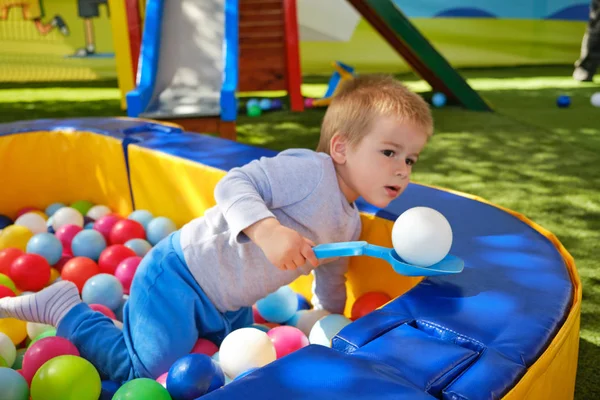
pixel 306 319
pixel 97 212
pixel 245 348
pixel 326 328
pixel 66 216
pixel 32 221
pixel 595 99
pixel 8 351
pixel 34 329
pixel 422 236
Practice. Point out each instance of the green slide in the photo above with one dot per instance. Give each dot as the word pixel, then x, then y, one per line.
pixel 404 37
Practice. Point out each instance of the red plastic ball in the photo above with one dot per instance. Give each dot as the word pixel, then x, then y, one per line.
pixel 30 272
pixel 126 270
pixel 104 310
pixel 5 291
pixel 111 257
pixel 205 346
pixel 367 303
pixel 126 229
pixel 7 257
pixel 105 224
pixel 257 317
pixel 78 270
pixel 65 234
pixel 25 210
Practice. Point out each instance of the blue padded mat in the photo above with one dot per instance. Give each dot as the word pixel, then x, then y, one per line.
pixel 317 372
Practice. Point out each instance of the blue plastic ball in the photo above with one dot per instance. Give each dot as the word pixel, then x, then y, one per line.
pixel 139 246
pixel 194 375
pixel 142 216
pixel 46 245
pixel 252 103
pixel 563 101
pixel 276 104
pixel 438 99
pixel 303 303
pixel 89 225
pixel 88 243
pixel 14 386
pixel 54 207
pixel 5 221
pixel 158 229
pixel 109 388
pixel 265 104
pixel 278 306
pixel 103 289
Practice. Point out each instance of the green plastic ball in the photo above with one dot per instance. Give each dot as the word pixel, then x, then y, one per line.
pixel 48 333
pixel 254 111
pixel 66 378
pixel 83 206
pixel 18 364
pixel 142 388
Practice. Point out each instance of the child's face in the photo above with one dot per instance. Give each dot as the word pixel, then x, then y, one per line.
pixel 379 167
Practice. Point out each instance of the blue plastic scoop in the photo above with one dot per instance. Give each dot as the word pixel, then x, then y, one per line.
pixel 449 265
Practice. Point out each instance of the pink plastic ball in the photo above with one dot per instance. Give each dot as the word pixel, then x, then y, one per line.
pixel 65 234
pixel 126 270
pixel 287 339
pixel 163 379
pixel 43 350
pixel 204 346
pixel 105 224
pixel 308 102
pixel 104 310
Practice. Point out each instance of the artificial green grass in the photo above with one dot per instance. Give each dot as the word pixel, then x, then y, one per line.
pixel 528 156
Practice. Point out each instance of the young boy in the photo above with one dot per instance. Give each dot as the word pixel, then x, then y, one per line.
pixel 202 280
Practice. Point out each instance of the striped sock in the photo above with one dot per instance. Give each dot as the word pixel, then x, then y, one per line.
pixel 47 306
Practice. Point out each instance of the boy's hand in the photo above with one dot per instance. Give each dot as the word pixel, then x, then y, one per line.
pixel 284 247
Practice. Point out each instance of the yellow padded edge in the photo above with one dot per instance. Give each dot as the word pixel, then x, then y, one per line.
pixel 40 168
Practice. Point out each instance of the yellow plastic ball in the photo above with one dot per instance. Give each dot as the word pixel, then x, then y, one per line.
pixel 54 274
pixel 15 236
pixel 15 329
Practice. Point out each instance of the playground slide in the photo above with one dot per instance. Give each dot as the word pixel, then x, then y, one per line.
pixel 182 61
pixel 405 39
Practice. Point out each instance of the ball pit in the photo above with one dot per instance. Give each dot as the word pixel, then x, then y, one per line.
pixel 102 260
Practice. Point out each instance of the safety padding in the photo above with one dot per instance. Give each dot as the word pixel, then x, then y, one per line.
pixel 317 372
pixel 175 174
pixel 46 161
pixel 511 299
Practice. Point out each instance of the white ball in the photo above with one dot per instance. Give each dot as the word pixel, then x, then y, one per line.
pixel 595 99
pixel 97 212
pixel 66 216
pixel 245 348
pixel 8 351
pixel 326 328
pixel 306 319
pixel 422 236
pixel 32 221
pixel 34 329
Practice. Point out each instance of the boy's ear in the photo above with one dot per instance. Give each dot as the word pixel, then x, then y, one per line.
pixel 338 147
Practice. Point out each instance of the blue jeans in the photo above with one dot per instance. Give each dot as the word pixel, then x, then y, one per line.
pixel 166 313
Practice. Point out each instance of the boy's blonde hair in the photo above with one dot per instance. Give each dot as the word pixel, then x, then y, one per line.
pixel 359 101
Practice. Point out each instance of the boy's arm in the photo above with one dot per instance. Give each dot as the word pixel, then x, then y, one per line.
pixel 329 284
pixel 246 195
